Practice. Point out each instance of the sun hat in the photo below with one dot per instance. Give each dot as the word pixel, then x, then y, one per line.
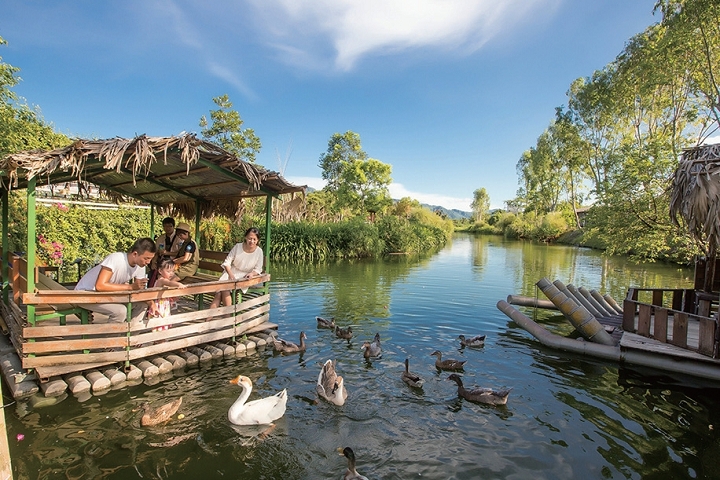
pixel 183 226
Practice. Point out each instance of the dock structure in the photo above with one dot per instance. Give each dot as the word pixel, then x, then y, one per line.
pixel 658 328
pixel 58 346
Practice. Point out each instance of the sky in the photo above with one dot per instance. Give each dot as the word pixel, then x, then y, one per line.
pixel 450 93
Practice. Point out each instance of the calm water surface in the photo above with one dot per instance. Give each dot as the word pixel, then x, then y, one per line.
pixel 567 417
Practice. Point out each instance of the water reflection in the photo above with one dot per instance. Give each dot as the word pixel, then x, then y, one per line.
pixel 567 416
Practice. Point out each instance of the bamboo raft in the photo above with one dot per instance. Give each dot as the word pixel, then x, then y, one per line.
pixel 656 328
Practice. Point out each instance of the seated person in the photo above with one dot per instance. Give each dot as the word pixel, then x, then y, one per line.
pixel 187 258
pixel 167 245
pixel 166 278
pixel 121 272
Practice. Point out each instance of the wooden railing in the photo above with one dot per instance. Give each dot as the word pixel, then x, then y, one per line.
pixel 61 346
pixel 673 323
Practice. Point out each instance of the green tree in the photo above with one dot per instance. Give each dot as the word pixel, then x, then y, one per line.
pixel 342 150
pixel 359 183
pixel 480 204
pixel 225 129
pixel 21 127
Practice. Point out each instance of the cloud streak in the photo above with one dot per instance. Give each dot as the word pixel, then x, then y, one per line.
pixel 358 28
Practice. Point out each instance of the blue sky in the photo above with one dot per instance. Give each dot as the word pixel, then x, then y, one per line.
pixel 448 92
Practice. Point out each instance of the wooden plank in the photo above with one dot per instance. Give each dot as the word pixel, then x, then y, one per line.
pixel 637 342
pixel 660 325
pixel 75 330
pixel 677 299
pixel 628 315
pixel 680 328
pixel 657 297
pixel 644 318
pixel 52 371
pixel 68 345
pixel 706 340
pixel 54 360
pixel 74 296
pixel 213 255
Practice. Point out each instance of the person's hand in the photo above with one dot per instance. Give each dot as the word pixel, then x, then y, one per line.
pixel 139 283
pixel 153 310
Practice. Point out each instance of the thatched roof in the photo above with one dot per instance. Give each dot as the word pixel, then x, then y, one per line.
pixel 695 195
pixel 170 172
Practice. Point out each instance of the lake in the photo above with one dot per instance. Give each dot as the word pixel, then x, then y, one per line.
pixel 567 416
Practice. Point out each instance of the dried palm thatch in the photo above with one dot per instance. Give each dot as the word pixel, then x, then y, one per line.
pixel 695 201
pixel 176 174
pixel 695 194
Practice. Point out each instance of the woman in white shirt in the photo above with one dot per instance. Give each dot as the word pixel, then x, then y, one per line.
pixel 245 260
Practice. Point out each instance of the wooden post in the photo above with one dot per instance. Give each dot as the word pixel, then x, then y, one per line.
pixel 5 246
pixel 5 464
pixel 268 221
pixel 31 244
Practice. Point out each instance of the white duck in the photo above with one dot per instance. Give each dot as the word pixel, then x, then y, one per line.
pixel 330 385
pixel 262 411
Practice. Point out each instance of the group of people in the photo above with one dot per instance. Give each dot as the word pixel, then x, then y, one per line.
pixel 171 257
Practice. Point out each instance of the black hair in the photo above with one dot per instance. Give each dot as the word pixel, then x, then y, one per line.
pixel 143 245
pixel 164 263
pixel 252 230
pixel 168 220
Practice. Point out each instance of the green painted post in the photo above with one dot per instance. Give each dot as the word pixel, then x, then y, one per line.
pixel 152 221
pixel 197 223
pixel 5 247
pixel 31 250
pixel 268 221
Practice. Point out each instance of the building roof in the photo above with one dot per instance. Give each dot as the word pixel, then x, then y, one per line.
pixel 176 173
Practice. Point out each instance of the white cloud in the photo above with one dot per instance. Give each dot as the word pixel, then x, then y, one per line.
pixel 355 28
pixel 314 182
pixel 398 191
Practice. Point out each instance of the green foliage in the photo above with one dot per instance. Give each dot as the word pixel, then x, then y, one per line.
pixel 360 184
pixel 480 204
pixel 21 127
pixel 225 129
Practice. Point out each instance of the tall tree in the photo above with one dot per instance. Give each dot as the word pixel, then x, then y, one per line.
pixel 480 204
pixel 342 150
pixel 22 127
pixel 225 129
pixel 359 183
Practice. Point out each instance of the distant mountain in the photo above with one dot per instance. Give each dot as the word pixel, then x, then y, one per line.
pixel 453 214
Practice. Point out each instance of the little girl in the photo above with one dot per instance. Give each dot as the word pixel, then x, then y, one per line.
pixel 166 278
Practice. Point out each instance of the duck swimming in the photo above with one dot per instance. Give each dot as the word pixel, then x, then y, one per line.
pixel 262 411
pixel 350 473
pixel 345 333
pixel 373 349
pixel 330 385
pixel 156 416
pixel 477 341
pixel 324 323
pixel 447 364
pixel 480 395
pixel 284 346
pixel 410 378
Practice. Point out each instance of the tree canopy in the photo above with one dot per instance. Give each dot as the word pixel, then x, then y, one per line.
pixel 225 129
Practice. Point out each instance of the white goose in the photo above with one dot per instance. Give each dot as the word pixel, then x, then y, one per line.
pixel 262 411
pixel 330 385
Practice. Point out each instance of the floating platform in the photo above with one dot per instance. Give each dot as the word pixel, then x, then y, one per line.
pixel 639 334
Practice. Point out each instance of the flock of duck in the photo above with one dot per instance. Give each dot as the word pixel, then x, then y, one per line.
pixel 331 386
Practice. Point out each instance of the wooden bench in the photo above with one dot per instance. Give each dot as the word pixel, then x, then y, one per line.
pixel 43 282
pixel 210 269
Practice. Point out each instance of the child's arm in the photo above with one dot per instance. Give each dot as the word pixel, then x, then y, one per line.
pixel 162 282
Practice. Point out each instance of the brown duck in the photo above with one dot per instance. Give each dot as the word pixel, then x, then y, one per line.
pixel 452 365
pixel 480 395
pixel 156 416
pixel 325 323
pixel 410 378
pixel 285 346
pixel 345 333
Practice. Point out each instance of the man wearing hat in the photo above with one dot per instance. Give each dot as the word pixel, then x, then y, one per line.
pixel 187 258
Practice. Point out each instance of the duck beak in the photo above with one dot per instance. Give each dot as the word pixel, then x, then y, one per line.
pixel 235 380
pixel 340 451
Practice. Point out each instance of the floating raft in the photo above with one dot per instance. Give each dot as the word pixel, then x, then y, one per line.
pixel 98 380
pixel 609 331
